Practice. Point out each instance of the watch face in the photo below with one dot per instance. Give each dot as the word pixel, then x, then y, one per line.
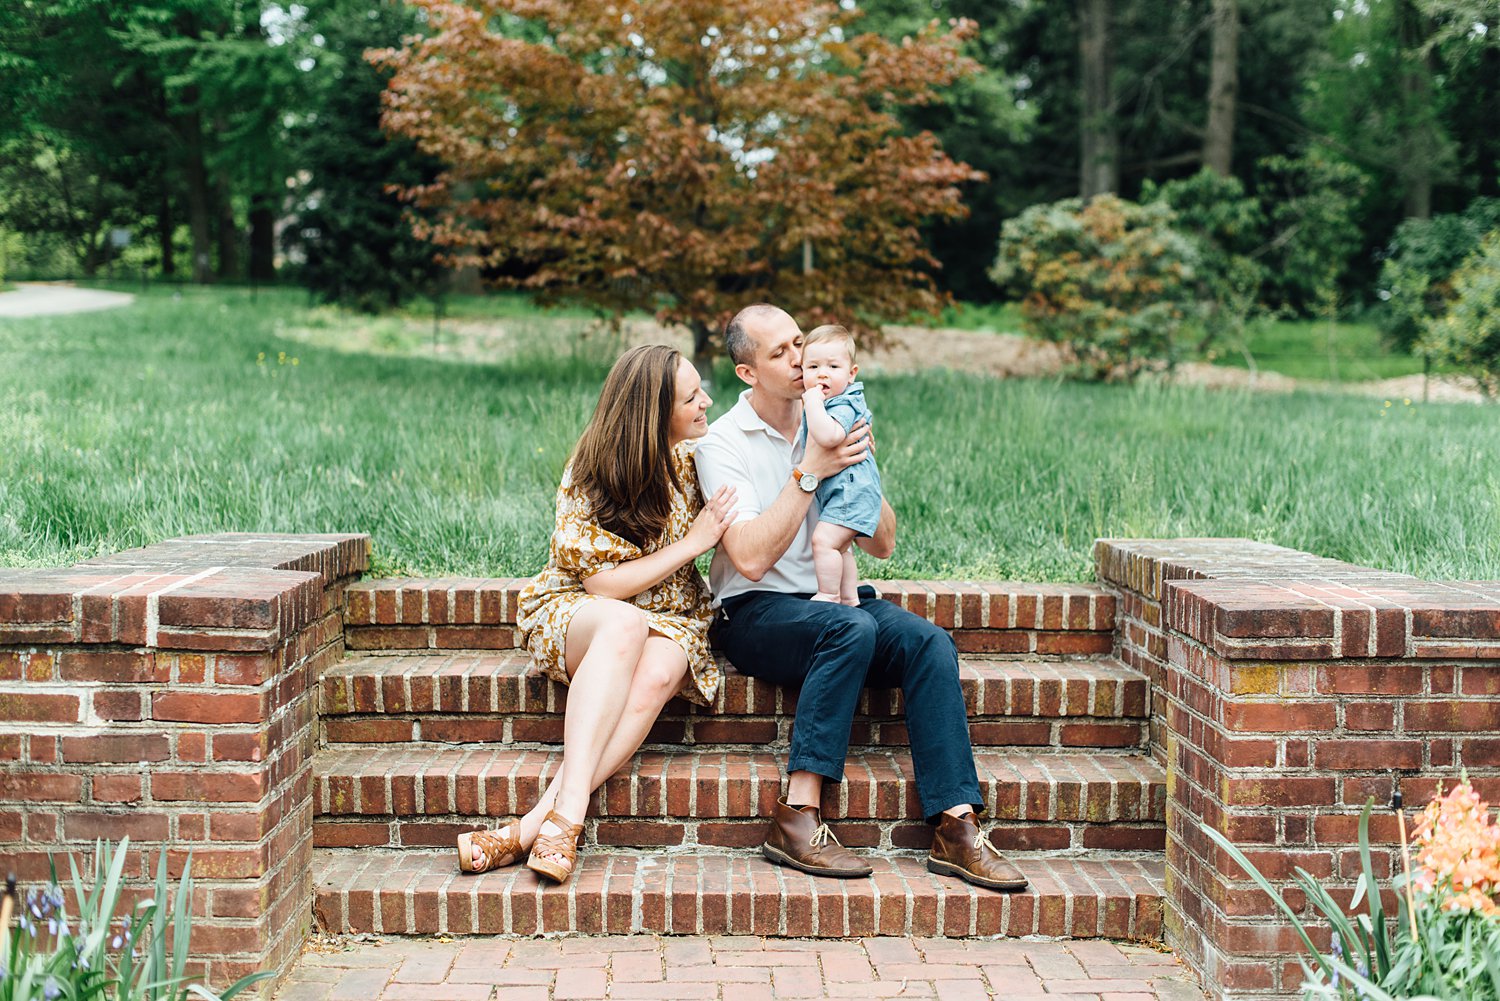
pixel 809 482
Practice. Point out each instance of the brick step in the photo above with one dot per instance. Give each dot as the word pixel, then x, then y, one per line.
pixel 624 892
pixel 426 794
pixel 469 613
pixel 477 696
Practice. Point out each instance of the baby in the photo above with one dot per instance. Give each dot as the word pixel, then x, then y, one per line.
pixel 849 502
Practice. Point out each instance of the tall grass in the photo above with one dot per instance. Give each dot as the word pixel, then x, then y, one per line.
pixel 198 412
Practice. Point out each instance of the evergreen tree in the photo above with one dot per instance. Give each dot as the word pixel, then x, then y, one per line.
pixel 348 228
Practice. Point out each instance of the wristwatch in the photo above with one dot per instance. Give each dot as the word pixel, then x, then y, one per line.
pixel 806 481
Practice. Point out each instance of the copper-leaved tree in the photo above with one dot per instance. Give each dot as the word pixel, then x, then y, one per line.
pixel 683 156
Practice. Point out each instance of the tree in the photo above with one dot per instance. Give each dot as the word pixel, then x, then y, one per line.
pixel 1099 140
pixel 76 127
pixel 1377 101
pixel 348 228
pixel 1223 85
pixel 225 91
pixel 689 158
pixel 982 120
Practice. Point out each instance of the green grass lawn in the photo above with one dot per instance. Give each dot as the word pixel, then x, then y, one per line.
pixel 1343 351
pixel 995 317
pixel 1329 352
pixel 197 412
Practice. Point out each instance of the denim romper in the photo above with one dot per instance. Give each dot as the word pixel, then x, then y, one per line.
pixel 852 497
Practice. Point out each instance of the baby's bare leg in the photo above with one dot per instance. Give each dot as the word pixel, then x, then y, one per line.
pixel 849 586
pixel 829 543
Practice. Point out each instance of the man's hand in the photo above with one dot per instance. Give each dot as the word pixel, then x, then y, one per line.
pixel 823 461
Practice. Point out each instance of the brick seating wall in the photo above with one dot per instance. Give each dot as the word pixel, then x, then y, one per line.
pixel 465 613
pixel 169 694
pixel 1288 690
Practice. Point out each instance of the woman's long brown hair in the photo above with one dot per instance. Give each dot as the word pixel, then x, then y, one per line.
pixel 623 460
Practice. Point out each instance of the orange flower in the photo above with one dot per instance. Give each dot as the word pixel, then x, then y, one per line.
pixel 1458 851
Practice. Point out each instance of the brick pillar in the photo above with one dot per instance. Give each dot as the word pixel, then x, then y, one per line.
pixel 1288 690
pixel 168 693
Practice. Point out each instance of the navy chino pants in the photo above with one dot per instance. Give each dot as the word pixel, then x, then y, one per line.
pixel 832 651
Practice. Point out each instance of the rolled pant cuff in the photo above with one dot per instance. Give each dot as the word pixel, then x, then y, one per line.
pixel 833 770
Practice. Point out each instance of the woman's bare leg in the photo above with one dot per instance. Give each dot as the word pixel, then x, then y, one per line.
pixel 604 643
pixel 658 676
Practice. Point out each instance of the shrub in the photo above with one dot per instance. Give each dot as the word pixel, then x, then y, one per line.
pixel 1468 336
pixel 1110 279
pixel 1228 229
pixel 1311 205
pixel 1416 278
pixel 1445 941
pixel 97 955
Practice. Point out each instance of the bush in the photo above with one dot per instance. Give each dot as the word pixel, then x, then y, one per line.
pixel 1110 279
pixel 1468 336
pixel 1445 941
pixel 1311 205
pixel 10 250
pixel 95 954
pixel 1415 280
pixel 1228 229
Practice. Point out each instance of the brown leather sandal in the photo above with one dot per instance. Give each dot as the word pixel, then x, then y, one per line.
pixel 481 851
pixel 564 844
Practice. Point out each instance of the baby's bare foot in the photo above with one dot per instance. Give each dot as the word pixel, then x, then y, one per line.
pixel 822 596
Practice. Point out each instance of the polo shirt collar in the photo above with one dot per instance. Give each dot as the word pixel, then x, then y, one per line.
pixel 745 417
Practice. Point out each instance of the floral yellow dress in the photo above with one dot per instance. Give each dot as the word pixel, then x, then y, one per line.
pixel 677 608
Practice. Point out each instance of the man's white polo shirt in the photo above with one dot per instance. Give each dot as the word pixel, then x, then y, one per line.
pixel 744 452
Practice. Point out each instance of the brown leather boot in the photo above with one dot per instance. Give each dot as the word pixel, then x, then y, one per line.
pixel 960 848
pixel 799 838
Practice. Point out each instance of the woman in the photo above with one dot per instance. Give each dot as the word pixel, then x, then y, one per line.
pixel 620 613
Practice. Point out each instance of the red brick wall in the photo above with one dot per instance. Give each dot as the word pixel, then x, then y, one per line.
pixel 169 694
pixel 1288 690
pixel 469 613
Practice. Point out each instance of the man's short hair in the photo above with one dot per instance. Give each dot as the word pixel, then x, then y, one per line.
pixel 831 332
pixel 737 340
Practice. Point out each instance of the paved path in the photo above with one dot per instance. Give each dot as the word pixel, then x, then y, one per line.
pixel 719 968
pixel 36 299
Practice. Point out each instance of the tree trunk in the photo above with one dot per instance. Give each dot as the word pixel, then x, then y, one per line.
pixel 263 201
pixel 164 227
pixel 1419 196
pixel 228 231
pixel 195 174
pixel 1099 143
pixel 1416 170
pixel 1223 86
pixel 262 239
pixel 703 350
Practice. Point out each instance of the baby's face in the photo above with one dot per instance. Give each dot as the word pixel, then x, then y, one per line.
pixel 826 365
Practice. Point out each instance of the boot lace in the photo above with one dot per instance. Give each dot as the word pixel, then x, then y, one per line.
pixel 822 836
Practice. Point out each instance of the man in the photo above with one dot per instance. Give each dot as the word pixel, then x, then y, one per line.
pixel 762 573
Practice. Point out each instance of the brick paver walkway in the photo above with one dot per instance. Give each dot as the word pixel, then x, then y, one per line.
pixel 720 968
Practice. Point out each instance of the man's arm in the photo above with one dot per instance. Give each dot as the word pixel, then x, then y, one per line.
pixel 882 544
pixel 756 544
